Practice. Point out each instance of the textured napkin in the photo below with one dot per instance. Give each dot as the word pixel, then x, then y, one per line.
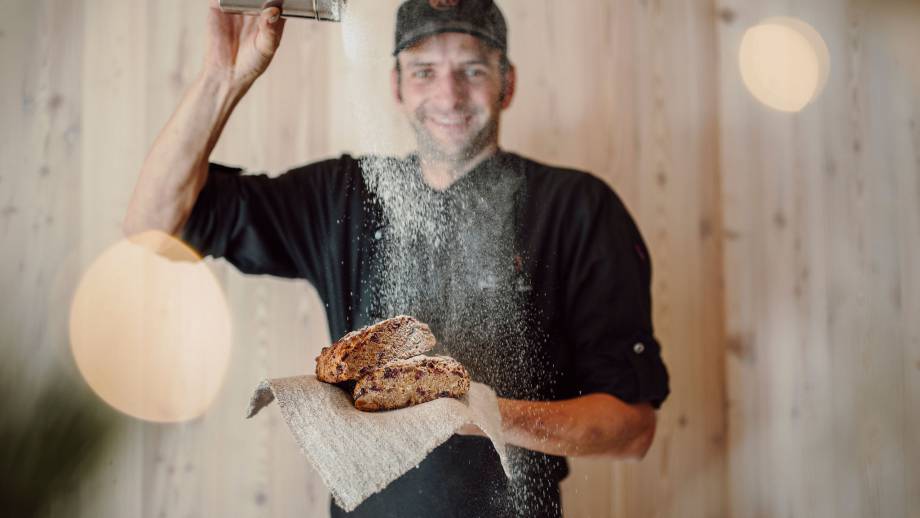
pixel 359 453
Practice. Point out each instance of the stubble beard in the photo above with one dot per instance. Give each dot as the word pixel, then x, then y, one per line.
pixel 430 149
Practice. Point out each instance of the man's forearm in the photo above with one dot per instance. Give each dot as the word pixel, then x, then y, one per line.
pixel 175 169
pixel 595 424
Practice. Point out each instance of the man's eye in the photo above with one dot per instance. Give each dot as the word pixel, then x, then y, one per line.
pixel 475 72
pixel 422 74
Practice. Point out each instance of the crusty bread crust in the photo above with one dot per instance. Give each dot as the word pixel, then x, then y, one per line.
pixel 411 381
pixel 361 351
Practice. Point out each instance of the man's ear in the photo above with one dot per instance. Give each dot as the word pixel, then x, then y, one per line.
pixel 394 85
pixel 509 84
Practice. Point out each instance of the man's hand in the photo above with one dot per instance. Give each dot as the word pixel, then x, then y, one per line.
pixel 471 429
pixel 240 47
pixel 589 425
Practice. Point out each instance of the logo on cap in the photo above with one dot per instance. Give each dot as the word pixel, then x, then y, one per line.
pixel 443 5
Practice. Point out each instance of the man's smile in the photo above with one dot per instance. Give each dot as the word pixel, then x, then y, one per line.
pixel 450 121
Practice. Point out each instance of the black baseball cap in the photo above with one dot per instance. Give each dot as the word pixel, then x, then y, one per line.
pixel 417 19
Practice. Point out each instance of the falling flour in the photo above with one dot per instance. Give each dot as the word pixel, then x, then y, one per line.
pixel 357 25
pixel 447 258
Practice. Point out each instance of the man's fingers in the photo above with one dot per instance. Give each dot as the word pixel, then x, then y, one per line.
pixel 272 13
pixel 470 429
pixel 271 25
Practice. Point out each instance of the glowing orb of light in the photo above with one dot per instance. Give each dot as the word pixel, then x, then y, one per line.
pixel 784 63
pixel 150 329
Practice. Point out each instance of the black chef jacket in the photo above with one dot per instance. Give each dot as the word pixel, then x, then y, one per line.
pixel 535 277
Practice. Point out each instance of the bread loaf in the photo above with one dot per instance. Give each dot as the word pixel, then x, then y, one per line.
pixel 411 381
pixel 361 351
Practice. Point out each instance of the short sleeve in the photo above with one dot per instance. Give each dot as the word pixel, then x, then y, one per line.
pixel 609 303
pixel 260 224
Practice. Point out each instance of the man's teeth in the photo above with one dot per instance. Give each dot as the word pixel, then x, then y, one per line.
pixel 449 121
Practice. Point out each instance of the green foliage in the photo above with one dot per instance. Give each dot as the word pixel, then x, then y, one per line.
pixel 52 433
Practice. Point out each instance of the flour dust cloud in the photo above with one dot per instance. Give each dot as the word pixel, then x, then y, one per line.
pixel 448 257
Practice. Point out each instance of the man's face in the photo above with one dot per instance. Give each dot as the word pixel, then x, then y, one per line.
pixel 450 88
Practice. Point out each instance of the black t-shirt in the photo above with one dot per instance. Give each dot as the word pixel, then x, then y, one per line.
pixel 536 278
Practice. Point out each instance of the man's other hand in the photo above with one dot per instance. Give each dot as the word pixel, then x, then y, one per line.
pixel 240 47
pixel 470 429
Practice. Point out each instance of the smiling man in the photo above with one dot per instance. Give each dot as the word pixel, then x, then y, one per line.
pixel 534 277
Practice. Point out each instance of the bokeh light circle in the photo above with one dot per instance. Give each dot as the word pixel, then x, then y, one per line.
pixel 150 329
pixel 784 63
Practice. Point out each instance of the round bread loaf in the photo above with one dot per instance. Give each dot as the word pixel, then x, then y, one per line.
pixel 411 381
pixel 361 351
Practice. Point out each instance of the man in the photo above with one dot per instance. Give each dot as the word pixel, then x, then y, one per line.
pixel 534 277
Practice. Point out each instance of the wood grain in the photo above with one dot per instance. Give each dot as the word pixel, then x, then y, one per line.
pixel 626 90
pixel 785 246
pixel 820 263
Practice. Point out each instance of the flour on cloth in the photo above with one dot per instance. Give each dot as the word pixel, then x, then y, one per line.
pixel 359 453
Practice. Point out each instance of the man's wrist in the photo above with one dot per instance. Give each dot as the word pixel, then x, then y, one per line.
pixel 222 82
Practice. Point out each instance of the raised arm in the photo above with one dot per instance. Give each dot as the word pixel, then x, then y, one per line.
pixel 239 50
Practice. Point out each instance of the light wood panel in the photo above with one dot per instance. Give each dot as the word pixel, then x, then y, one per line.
pixel 821 214
pixel 40 138
pixel 626 90
pixel 604 86
pixel 220 464
pixel 822 236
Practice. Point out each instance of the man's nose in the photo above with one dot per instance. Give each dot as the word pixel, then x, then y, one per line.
pixel 452 89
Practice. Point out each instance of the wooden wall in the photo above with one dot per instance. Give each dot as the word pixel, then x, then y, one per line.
pixel 822 246
pixel 627 91
pixel 815 351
